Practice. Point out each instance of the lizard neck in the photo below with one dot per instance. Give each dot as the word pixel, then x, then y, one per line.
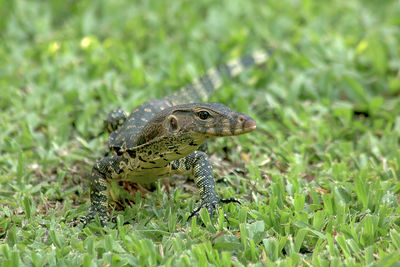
pixel 168 148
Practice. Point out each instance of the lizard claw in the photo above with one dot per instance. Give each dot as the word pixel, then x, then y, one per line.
pixel 211 205
pixel 230 200
pixel 103 218
pixel 79 220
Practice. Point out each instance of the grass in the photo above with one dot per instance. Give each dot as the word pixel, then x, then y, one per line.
pixel 318 179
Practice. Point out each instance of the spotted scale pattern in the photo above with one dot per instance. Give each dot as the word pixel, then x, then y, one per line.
pixel 141 157
pixel 197 91
pixel 198 164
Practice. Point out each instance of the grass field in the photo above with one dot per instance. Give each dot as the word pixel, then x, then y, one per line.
pixel 318 180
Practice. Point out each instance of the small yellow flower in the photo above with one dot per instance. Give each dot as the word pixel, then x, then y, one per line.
pixel 87 41
pixel 362 46
pixel 54 47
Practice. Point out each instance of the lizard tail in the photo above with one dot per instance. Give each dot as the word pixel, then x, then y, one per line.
pixel 201 88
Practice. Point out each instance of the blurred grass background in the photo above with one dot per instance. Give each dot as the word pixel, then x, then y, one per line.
pixel 318 179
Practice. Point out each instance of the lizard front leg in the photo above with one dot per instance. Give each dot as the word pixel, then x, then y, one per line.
pixel 102 172
pixel 199 164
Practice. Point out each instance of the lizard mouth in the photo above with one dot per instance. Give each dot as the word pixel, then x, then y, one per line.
pixel 241 127
pixel 248 125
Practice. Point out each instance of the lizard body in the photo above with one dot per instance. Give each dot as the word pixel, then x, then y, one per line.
pixel 162 136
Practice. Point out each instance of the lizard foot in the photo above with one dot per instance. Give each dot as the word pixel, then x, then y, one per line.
pixel 211 205
pixel 103 218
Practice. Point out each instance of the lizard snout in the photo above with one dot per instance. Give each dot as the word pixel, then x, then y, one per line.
pixel 247 124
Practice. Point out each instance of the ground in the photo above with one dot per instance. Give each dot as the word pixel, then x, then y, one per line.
pixel 318 180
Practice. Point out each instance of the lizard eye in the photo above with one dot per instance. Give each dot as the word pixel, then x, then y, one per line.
pixel 203 115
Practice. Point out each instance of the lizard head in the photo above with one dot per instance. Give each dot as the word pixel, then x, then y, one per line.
pixel 208 120
pixel 196 122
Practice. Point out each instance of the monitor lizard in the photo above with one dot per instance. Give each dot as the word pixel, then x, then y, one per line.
pixel 162 137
